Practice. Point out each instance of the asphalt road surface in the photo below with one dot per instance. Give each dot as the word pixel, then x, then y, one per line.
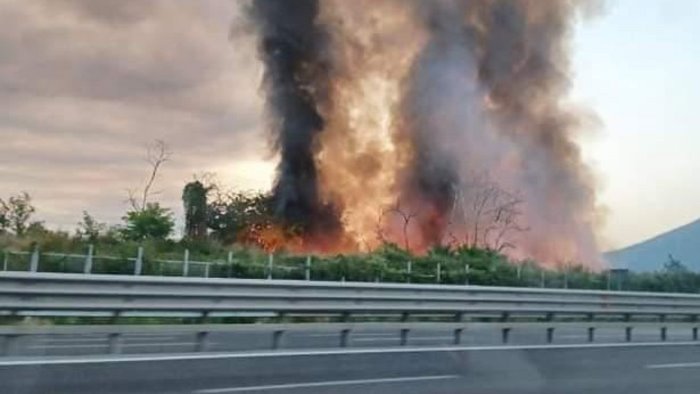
pixel 563 369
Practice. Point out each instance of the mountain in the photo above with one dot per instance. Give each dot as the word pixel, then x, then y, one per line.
pixel 682 242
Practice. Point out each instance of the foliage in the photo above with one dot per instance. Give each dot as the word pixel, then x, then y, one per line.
pixel 15 213
pixel 36 229
pixel 89 228
pixel 194 199
pixel 238 220
pixel 388 263
pixel 232 214
pixel 152 222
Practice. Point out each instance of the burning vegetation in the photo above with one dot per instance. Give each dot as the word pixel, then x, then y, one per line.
pixel 424 123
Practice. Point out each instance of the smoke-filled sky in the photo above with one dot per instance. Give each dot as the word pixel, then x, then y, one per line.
pixel 85 85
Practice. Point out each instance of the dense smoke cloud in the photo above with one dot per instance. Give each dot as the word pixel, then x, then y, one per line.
pixel 293 48
pixel 438 96
pixel 470 118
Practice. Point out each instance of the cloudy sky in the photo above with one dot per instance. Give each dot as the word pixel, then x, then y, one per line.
pixel 86 85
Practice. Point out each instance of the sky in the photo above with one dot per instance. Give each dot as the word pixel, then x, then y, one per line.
pixel 85 86
pixel 636 65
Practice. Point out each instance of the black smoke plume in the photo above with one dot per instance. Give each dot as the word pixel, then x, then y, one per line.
pixel 293 47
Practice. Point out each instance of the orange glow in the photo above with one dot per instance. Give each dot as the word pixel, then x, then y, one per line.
pixel 360 157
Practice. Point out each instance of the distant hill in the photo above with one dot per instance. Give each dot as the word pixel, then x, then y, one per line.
pixel 682 242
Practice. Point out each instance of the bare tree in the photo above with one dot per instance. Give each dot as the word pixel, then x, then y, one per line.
pixel 157 154
pixel 407 216
pixel 504 220
pixel 487 213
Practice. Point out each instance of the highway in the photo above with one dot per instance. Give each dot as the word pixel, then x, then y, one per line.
pixel 642 343
pixel 563 369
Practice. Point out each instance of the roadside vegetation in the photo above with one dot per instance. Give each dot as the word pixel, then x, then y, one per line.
pixel 237 235
pixel 230 256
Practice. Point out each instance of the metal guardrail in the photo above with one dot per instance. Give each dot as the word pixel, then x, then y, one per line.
pixel 42 293
pixel 11 336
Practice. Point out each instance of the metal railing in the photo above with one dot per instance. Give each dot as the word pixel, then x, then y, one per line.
pixel 269 266
pixel 11 336
pixel 466 307
pixel 33 292
pixel 138 265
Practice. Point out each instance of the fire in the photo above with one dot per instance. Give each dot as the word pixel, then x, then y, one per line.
pixel 361 156
pixel 385 112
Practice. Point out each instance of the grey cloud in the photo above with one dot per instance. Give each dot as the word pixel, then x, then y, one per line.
pixel 86 84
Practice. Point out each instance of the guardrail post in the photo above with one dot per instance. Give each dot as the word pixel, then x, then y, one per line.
pixel 138 264
pixel 550 334
pixel 34 260
pixel 505 334
pixel 695 333
pixel 628 334
pixel 277 339
pixel 270 262
pixel 5 260
pixel 115 343
pixel 206 269
pixel 457 336
pixel 203 317
pixel 307 268
pixel 438 274
pixel 591 334
pixel 664 333
pixel 408 271
pixel 404 337
pixel 88 260
pixel 186 263
pixel 344 337
pixel 10 344
pixel 466 274
pixel 202 341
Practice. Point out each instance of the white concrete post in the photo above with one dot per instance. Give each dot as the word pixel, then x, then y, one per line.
pixel 34 260
pixel 229 260
pixel 270 262
pixel 307 270
pixel 138 265
pixel 186 263
pixel 87 268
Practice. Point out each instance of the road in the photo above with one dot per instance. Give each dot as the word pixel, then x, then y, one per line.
pixel 565 369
